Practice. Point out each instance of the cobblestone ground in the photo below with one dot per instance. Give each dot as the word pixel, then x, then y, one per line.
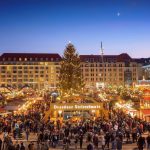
pixel 32 138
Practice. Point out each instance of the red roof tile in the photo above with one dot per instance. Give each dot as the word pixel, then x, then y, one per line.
pixel 29 56
pixel 123 57
pixel 107 58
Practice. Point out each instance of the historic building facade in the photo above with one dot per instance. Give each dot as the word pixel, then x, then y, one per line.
pixel 41 70
pixel 109 70
pixel 34 70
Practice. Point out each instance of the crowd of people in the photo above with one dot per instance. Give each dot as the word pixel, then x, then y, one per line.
pixel 101 133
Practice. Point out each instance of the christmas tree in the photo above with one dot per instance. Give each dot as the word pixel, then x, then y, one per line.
pixel 70 79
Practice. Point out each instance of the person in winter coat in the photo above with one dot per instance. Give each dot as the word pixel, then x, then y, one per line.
pixel 141 143
pixel 119 144
pixel 95 141
pixel 22 147
pixel 107 139
pixel 90 146
pixel 1 143
pixel 76 141
pixel 102 141
pixel 148 142
pixel 81 140
pixel 114 144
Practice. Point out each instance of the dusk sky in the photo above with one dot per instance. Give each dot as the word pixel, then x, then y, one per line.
pixel 47 26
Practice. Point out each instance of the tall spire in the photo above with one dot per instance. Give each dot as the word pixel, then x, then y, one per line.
pixel 102 50
pixel 102 53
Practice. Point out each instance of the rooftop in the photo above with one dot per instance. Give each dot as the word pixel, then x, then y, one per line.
pixel 30 57
pixel 107 58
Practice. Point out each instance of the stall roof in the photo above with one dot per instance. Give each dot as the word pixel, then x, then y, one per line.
pixel 146 112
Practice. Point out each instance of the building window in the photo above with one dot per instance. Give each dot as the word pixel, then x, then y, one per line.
pixel 19 72
pixel 114 65
pixel 120 65
pixel 86 65
pixel 31 67
pixel 91 59
pixel 92 65
pixel 36 76
pixel 134 65
pixel 25 68
pixel 20 67
pixel 92 70
pixel 100 65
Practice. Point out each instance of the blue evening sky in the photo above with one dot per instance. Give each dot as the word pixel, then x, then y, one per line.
pixel 48 25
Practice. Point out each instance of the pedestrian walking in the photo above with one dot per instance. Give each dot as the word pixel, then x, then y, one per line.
pixel 119 144
pixel 148 142
pixel 1 143
pixel 22 147
pixel 95 141
pixel 76 141
pixel 81 140
pixel 141 143
pixel 27 134
pixel 102 141
pixel 90 146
